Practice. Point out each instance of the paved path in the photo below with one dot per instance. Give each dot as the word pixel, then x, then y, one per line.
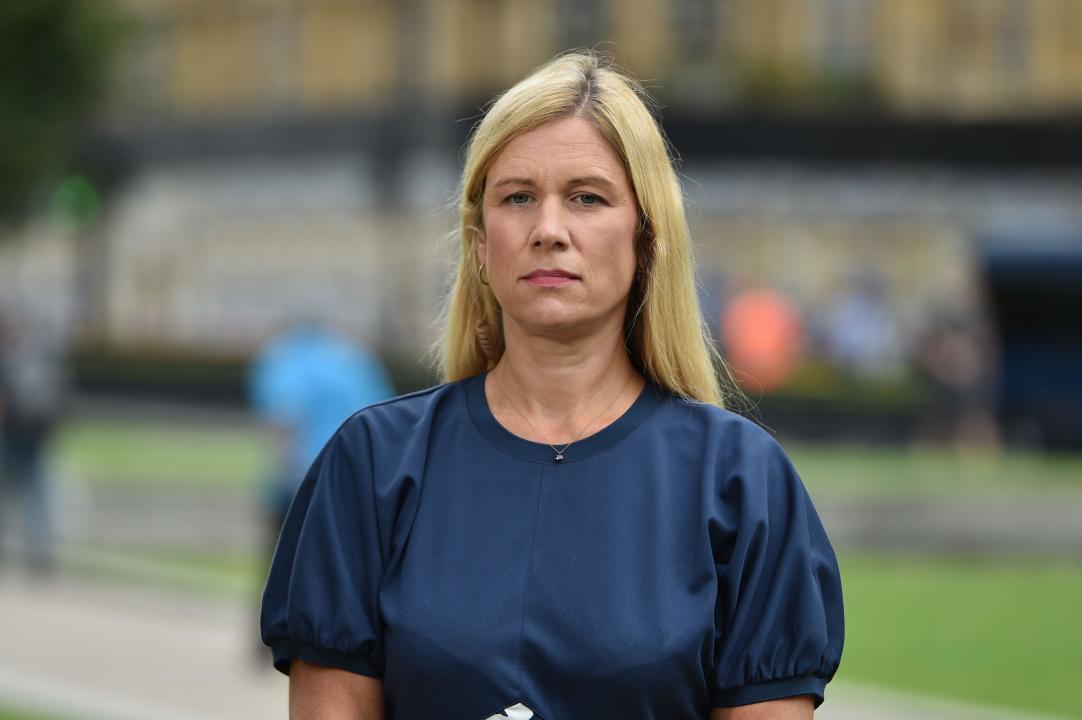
pixel 93 651
pixel 852 701
pixel 100 652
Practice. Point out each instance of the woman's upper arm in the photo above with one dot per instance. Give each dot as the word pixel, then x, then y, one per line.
pixel 330 556
pixel 791 708
pixel 318 692
pixel 779 623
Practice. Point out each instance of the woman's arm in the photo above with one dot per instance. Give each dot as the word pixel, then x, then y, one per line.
pixel 793 708
pixel 317 692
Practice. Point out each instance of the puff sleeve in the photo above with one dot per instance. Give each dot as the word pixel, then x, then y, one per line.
pixel 779 624
pixel 321 602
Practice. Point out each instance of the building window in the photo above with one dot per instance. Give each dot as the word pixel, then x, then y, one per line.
pixel 696 24
pixel 844 31
pixel 583 22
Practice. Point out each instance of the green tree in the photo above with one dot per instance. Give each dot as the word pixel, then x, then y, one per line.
pixel 54 66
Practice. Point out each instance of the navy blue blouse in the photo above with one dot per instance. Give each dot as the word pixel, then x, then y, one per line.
pixel 672 563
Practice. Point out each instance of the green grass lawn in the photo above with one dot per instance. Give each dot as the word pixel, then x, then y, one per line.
pixel 9 714
pixel 230 574
pixel 161 453
pixel 1000 634
pixel 883 472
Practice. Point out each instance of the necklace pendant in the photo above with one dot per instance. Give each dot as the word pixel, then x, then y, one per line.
pixel 559 457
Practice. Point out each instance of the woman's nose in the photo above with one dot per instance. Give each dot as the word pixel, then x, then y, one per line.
pixel 551 228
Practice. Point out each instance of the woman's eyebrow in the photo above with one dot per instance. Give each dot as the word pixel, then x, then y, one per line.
pixel 599 180
pixel 513 181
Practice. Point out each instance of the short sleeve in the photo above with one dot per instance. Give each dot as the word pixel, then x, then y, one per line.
pixel 779 625
pixel 321 602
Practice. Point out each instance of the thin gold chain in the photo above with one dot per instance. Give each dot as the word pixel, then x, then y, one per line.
pixel 560 451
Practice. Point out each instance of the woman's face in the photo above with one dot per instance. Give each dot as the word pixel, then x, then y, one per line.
pixel 558 241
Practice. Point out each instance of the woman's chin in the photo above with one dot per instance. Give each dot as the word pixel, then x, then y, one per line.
pixel 561 326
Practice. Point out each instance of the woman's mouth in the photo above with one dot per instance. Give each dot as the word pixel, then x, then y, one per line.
pixel 550 278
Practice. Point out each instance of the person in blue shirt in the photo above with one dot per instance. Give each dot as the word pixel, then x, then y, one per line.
pixel 571 527
pixel 303 383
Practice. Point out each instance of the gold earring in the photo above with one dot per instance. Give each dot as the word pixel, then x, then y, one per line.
pixel 481 274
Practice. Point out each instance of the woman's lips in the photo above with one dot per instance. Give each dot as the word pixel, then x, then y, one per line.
pixel 550 278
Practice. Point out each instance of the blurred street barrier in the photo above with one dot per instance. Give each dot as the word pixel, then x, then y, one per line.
pixel 974 527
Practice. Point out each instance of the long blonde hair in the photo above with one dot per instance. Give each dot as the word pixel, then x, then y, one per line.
pixel 665 335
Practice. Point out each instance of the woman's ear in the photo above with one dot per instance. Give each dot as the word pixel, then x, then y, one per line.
pixel 480 246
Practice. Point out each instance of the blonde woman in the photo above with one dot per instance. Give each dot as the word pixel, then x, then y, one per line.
pixel 571 527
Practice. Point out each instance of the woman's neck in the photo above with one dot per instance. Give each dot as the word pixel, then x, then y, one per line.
pixel 557 392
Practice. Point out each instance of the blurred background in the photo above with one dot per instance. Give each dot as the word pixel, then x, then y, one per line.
pixel 222 226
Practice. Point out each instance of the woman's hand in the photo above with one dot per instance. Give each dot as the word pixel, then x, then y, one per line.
pixel 317 692
pixel 794 708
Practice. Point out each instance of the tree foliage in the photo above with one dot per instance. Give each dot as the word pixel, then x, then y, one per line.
pixel 54 66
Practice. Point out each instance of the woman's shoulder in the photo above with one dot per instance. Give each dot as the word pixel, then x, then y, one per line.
pixel 412 403
pixel 753 475
pixel 718 425
pixel 410 409
pixel 738 447
pixel 383 435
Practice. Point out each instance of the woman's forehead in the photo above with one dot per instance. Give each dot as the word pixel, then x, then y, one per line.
pixel 565 148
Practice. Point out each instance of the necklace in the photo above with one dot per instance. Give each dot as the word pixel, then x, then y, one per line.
pixel 559 451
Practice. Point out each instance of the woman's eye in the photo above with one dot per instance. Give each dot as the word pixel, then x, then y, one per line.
pixel 518 198
pixel 588 199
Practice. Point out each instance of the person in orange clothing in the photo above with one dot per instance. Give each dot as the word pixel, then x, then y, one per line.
pixel 764 337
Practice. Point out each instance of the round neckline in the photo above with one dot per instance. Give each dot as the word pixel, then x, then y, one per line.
pixel 602 440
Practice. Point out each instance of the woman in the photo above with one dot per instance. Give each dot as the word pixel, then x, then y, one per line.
pixel 571 527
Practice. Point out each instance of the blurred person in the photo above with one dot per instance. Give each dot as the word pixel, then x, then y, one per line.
pixel 571 526
pixel 303 384
pixel 32 393
pixel 956 360
pixel 859 331
pixel 763 336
